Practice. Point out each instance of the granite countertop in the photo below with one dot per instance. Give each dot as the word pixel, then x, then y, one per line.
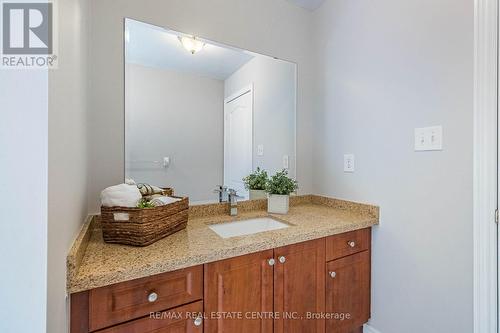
pixel 93 263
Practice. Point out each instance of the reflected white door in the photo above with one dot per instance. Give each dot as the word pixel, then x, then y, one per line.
pixel 238 139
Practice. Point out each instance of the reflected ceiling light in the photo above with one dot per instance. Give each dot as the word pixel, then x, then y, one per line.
pixel 192 44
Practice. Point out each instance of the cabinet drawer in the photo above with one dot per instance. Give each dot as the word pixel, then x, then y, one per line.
pixel 133 299
pixel 185 319
pixel 348 243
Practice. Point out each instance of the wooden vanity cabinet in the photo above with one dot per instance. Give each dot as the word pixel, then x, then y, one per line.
pixel 235 290
pixel 348 282
pixel 133 299
pixel 184 319
pixel 292 276
pixel 299 287
pixel 102 308
pixel 348 292
pixel 318 286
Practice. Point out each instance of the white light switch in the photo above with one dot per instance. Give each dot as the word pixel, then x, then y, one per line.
pixel 429 138
pixel 260 150
pixel 285 161
pixel 166 162
pixel 348 163
pixel 435 135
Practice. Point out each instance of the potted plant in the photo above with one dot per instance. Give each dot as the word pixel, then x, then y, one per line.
pixel 255 183
pixel 279 188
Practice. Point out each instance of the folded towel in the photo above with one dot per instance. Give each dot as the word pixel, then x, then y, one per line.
pixel 151 197
pixel 122 195
pixel 147 189
pixel 162 201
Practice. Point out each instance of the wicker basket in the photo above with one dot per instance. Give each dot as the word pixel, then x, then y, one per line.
pixel 168 191
pixel 143 226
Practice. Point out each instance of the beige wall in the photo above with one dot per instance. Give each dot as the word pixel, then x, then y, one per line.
pixel 67 152
pixel 254 26
pixel 384 68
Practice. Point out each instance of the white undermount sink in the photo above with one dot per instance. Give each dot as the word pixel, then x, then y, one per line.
pixel 247 227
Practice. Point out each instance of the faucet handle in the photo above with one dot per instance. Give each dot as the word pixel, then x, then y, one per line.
pixel 232 192
pixel 220 189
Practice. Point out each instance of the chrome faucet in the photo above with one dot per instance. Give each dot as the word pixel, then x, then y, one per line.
pixel 233 203
pixel 222 190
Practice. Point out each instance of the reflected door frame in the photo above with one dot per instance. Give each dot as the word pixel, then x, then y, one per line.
pixel 247 89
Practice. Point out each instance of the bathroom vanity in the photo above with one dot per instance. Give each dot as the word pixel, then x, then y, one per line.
pixel 313 276
pixel 200 113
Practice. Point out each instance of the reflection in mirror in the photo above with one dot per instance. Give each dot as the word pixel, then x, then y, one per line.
pixel 199 114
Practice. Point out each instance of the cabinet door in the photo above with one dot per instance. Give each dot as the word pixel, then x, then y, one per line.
pixel 299 287
pixel 239 294
pixel 348 292
pixel 184 319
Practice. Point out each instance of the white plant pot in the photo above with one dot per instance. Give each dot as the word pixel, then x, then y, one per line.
pixel 257 194
pixel 277 204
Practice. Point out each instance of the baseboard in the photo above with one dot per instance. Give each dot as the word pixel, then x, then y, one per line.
pixel 369 329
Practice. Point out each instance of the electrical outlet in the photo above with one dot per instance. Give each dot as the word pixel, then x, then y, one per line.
pixel 348 163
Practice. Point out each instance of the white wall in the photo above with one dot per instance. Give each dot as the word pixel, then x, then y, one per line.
pixel 253 25
pixel 177 115
pixel 67 152
pixel 385 67
pixel 274 98
pixel 23 221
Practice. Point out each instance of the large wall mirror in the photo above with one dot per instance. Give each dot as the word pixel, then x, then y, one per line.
pixel 199 114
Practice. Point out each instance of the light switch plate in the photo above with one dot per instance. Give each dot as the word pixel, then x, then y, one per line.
pixel 166 162
pixel 260 150
pixel 285 161
pixel 435 137
pixel 429 138
pixel 349 163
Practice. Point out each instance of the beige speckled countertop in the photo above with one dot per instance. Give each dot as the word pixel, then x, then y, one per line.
pixel 93 263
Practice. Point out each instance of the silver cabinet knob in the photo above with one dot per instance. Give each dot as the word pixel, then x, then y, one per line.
pixel 198 321
pixel 282 259
pixel 271 262
pixel 333 274
pixel 351 243
pixel 152 297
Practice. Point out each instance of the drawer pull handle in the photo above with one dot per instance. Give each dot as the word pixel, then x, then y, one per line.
pixel 333 274
pixel 152 297
pixel 351 243
pixel 271 262
pixel 282 259
pixel 198 321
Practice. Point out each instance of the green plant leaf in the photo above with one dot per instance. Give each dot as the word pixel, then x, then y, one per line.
pixel 256 180
pixel 281 184
pixel 143 203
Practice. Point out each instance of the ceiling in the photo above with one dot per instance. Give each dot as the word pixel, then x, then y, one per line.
pixel 154 46
pixel 308 4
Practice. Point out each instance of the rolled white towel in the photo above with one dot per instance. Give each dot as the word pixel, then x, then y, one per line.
pixel 130 181
pixel 163 200
pixel 147 189
pixel 122 195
